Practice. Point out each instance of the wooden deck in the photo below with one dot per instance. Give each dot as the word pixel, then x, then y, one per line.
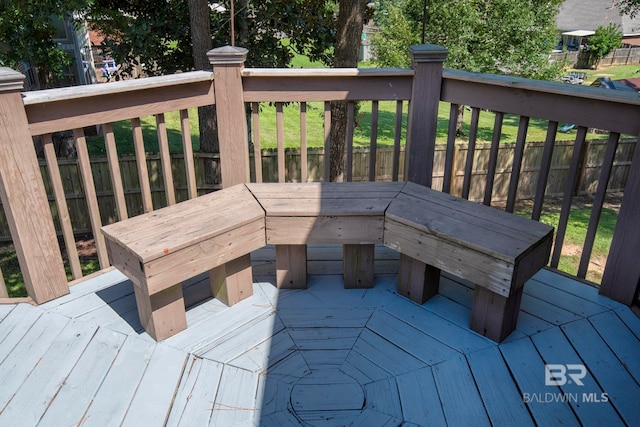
pixel 324 356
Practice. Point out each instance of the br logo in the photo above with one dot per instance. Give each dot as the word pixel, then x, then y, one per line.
pixel 555 374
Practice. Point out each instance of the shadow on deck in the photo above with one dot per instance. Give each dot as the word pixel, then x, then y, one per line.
pixel 324 356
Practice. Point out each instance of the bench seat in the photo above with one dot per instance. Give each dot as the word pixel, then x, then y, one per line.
pixel 495 250
pixel 160 249
pixel 433 231
pixel 325 213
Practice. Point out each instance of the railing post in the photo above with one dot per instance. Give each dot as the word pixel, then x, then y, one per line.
pixel 233 135
pixel 621 277
pixel 427 62
pixel 24 198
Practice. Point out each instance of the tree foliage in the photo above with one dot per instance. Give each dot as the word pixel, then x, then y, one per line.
pixel 605 40
pixel 629 7
pixel 27 35
pixel 495 36
pixel 157 35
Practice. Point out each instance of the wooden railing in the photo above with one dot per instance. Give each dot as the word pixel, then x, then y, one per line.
pixel 423 87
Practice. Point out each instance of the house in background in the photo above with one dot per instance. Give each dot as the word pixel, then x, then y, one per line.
pixel 578 19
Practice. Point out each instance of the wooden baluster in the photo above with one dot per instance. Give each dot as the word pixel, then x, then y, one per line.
pixel 570 184
pixel 348 167
pixel 141 162
pixel 114 168
pixel 63 209
pixel 165 159
pixel 545 169
pixel 493 158
pixel 4 292
pixel 280 141
pixel 304 161
pixel 449 157
pixel 374 141
pixel 471 149
pixel 598 202
pixel 397 135
pixel 187 149
pixel 257 153
pixel 84 164
pixel 517 163
pixel 327 141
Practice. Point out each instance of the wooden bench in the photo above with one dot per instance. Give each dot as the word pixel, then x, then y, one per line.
pixel 432 231
pixel 496 250
pixel 160 249
pixel 325 213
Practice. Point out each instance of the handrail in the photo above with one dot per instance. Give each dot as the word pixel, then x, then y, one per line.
pixel 55 110
pixel 560 102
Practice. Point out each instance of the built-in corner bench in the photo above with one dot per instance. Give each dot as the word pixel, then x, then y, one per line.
pixel 432 231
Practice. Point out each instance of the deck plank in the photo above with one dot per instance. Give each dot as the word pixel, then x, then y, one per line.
pixel 265 354
pixel 325 359
pixel 325 317
pixel 362 369
pixel 385 354
pixel 235 400
pixel 194 400
pixel 15 326
pixel 503 404
pixel 565 300
pixel 614 379
pixel 410 339
pixel 620 340
pixel 433 321
pixel 419 397
pixel 26 355
pixel 35 394
pixel 245 340
pixel 527 368
pixel 546 311
pixel 554 347
pixel 107 281
pixel 5 309
pixel 122 380
pixel 323 338
pixel 155 393
pixel 79 388
pixel 461 402
pixel 382 396
pixel 630 319
pixel 579 289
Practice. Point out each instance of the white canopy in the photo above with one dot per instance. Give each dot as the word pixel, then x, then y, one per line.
pixel 579 33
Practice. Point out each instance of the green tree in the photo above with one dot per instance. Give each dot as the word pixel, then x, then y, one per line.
pixel 490 36
pixel 27 32
pixel 493 36
pixel 605 40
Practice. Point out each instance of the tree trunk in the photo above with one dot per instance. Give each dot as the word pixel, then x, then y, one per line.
pixel 346 51
pixel 459 118
pixel 201 40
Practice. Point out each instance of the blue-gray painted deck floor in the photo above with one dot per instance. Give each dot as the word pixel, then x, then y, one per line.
pixel 324 356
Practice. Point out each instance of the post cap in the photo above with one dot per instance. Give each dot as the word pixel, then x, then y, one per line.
pixel 227 55
pixel 428 53
pixel 10 80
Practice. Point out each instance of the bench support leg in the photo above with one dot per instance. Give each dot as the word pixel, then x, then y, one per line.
pixel 291 266
pixel 161 314
pixel 357 267
pixel 416 280
pixel 493 315
pixel 232 282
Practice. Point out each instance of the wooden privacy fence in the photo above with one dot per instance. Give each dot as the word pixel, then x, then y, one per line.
pixel 622 56
pixel 76 202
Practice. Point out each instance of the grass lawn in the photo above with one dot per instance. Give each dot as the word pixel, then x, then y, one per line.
pixel 616 72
